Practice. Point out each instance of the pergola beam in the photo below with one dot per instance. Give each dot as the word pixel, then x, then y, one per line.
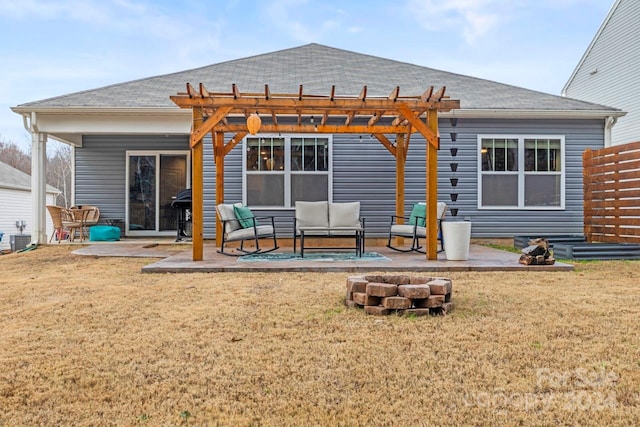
pixel 419 125
pixel 313 105
pixel 407 141
pixel 313 128
pixel 385 141
pixel 301 102
pixel 234 141
pixel 208 125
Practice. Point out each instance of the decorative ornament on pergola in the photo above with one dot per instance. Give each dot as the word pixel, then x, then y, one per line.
pixel 243 113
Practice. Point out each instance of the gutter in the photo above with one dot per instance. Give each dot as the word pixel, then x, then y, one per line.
pixel 102 110
pixel 29 126
pixel 608 125
pixel 533 114
pixel 465 113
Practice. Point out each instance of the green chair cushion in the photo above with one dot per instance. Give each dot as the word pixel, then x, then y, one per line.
pixel 419 210
pixel 244 216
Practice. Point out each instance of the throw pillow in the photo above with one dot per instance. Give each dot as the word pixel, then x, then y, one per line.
pixel 419 210
pixel 244 216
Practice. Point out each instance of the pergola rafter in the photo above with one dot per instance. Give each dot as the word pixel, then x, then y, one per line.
pixel 227 112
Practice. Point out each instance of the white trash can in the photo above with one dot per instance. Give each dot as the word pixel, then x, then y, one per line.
pixel 457 238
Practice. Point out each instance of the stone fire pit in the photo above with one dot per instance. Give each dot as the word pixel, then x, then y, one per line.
pixel 398 294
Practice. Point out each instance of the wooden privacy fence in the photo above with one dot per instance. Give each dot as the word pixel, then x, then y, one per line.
pixel 612 194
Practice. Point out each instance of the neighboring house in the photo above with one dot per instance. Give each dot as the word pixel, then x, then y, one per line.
pixel 609 71
pixel 519 151
pixel 16 202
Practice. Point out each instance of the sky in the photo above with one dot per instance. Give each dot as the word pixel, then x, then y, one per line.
pixel 50 48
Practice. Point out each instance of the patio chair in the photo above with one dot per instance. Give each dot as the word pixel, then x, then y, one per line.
pixel 240 225
pixel 64 224
pixel 415 228
pixel 55 212
pixel 93 217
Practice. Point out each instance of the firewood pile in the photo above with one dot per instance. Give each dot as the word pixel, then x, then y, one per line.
pixel 537 253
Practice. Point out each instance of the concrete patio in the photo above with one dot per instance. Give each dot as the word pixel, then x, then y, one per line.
pixel 174 259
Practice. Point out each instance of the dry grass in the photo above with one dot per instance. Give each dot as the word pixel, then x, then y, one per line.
pixel 89 341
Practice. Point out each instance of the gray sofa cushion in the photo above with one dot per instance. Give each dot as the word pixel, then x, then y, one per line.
pixel 312 214
pixel 344 215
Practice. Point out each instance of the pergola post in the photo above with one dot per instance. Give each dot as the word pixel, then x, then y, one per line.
pixel 218 156
pixel 432 188
pixel 400 163
pixel 197 189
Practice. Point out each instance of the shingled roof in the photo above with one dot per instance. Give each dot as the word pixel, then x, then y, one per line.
pixel 317 68
pixel 15 179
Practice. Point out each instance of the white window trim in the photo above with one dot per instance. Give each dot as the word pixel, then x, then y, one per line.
pixel 522 173
pixel 157 154
pixel 287 168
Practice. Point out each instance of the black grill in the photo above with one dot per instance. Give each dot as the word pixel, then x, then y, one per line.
pixel 182 205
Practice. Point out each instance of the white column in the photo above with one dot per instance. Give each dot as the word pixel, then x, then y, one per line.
pixel 38 186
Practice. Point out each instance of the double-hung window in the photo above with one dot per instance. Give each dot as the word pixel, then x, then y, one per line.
pixel 280 170
pixel 521 172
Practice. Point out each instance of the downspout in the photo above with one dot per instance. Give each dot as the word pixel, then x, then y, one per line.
pixel 608 124
pixel 38 179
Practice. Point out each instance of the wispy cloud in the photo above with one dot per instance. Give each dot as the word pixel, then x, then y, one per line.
pixel 304 21
pixel 122 18
pixel 472 18
pixel 85 11
pixel 279 13
pixel 97 42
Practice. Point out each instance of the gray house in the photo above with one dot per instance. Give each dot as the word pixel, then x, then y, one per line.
pixel 609 70
pixel 517 152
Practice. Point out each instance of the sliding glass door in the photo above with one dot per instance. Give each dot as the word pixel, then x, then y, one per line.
pixel 153 179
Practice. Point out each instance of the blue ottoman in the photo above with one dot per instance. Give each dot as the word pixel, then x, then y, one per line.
pixel 104 233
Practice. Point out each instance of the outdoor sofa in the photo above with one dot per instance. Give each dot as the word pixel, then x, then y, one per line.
pixel 325 219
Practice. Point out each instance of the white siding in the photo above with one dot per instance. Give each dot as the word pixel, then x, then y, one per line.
pixel 609 73
pixel 15 205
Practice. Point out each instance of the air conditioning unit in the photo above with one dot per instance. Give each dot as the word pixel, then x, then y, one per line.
pixel 19 241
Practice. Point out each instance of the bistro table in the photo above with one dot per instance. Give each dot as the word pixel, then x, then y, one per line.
pixel 79 216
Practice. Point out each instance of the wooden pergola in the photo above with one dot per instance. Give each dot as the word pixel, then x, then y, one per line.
pixel 229 113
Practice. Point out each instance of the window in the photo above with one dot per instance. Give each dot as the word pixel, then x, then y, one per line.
pixel 278 171
pixel 521 172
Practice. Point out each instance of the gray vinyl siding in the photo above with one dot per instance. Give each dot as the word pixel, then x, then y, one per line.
pixel 100 168
pixel 615 54
pixel 232 183
pixel 579 135
pixel 363 170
